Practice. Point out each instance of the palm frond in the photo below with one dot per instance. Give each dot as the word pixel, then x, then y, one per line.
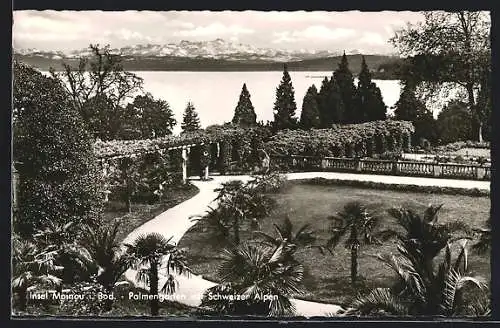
pixel 378 301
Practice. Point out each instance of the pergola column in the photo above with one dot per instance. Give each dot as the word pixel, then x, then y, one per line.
pixel 184 164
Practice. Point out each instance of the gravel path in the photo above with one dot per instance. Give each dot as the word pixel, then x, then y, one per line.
pixel 175 223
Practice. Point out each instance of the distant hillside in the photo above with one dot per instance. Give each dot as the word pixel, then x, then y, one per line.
pixel 383 67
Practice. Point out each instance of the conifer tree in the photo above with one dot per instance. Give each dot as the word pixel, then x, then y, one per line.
pixel 345 80
pixel 410 108
pixel 321 100
pixel 244 114
pixel 369 102
pixel 190 120
pixel 334 108
pixel 309 118
pixel 284 105
pixel 331 107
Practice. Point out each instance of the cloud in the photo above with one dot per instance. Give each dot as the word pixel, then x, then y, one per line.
pixel 214 29
pixel 323 32
pixel 315 32
pixel 319 30
pixel 284 37
pixel 371 38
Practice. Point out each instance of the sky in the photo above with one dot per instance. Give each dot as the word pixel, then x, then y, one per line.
pixel 367 32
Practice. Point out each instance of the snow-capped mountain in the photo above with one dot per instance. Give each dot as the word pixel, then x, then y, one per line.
pixel 215 49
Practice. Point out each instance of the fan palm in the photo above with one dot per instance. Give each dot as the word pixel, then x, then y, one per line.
pixel 285 233
pixel 150 253
pixel 484 243
pixel 358 225
pixel 239 202
pixel 255 271
pixel 425 285
pixel 32 267
pixel 62 238
pixel 108 260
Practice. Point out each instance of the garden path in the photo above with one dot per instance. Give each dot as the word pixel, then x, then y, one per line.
pixel 175 222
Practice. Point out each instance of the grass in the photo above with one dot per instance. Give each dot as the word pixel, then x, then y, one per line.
pixel 141 213
pixel 327 277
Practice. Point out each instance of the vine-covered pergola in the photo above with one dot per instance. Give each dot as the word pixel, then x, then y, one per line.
pixel 226 144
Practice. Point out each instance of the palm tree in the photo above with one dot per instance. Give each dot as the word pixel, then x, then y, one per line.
pixel 425 285
pixel 62 238
pixel 484 243
pixel 417 293
pixel 150 253
pixel 358 224
pixel 108 260
pixel 255 271
pixel 32 267
pixel 239 202
pixel 285 233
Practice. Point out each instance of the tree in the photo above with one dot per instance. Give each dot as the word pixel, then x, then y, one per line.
pixel 368 97
pixel 356 222
pixel 31 266
pixel 108 260
pixel 152 117
pixel 148 254
pixel 238 203
pixel 56 161
pixel 127 180
pixel 345 81
pixel 330 104
pixel 428 283
pixel 453 123
pixel 302 238
pixel 190 120
pixel 461 41
pixel 244 113
pixel 409 108
pixel 284 105
pixel 254 271
pixel 309 117
pixel 98 88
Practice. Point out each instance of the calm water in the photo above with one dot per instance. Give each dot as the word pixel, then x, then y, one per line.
pixel 215 94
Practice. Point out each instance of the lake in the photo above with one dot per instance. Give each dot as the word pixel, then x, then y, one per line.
pixel 215 94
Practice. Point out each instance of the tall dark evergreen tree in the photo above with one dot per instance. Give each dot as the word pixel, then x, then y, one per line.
pixel 190 120
pixel 321 100
pixel 369 100
pixel 334 109
pixel 410 108
pixel 345 80
pixel 309 118
pixel 284 105
pixel 244 114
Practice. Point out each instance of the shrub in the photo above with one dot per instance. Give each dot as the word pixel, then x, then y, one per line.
pixel 89 304
pixel 474 192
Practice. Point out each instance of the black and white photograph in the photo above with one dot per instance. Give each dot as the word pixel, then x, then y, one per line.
pixel 251 164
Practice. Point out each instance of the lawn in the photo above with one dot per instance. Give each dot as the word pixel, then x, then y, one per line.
pixel 327 277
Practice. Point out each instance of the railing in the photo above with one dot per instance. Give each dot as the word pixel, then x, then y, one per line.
pixel 374 166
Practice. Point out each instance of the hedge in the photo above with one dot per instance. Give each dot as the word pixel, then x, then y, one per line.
pixel 473 192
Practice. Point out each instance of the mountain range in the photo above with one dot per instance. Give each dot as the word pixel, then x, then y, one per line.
pixel 203 55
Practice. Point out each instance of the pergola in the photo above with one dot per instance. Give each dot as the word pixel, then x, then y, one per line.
pixel 220 137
